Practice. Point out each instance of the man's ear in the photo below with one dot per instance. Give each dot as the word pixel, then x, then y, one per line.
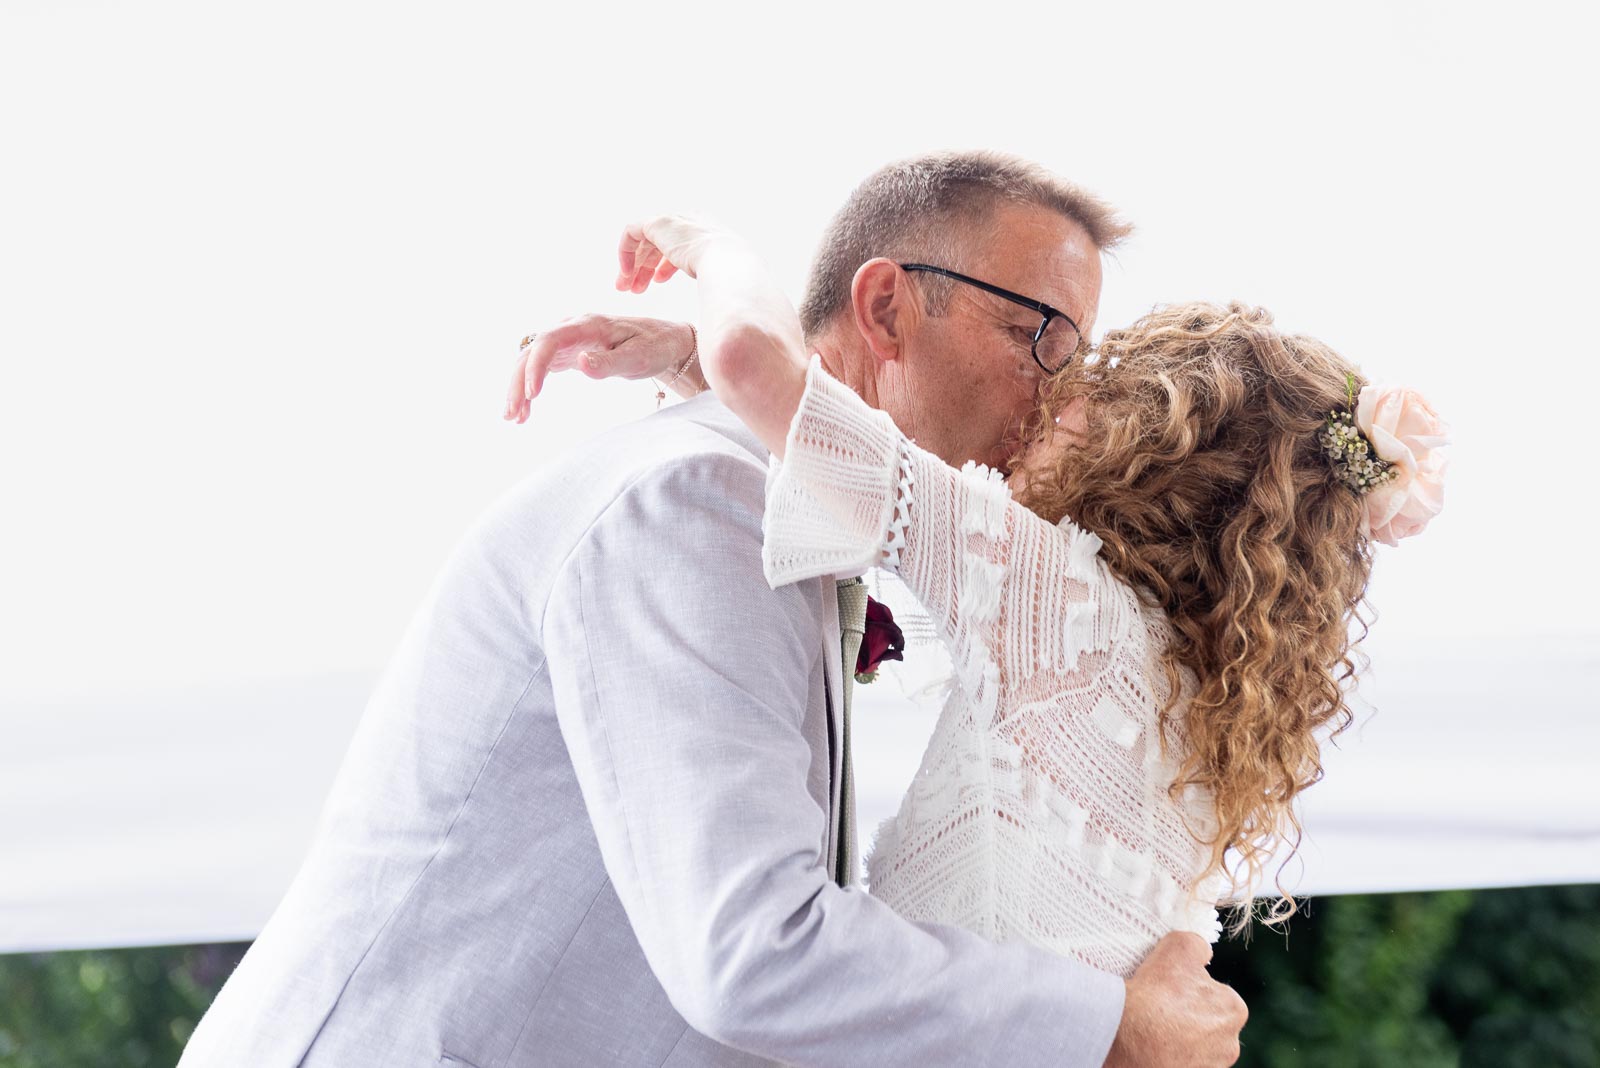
pixel 883 307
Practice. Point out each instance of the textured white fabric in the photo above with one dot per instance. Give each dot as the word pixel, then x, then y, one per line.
pixel 1040 812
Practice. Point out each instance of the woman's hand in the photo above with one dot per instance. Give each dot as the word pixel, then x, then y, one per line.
pixel 752 348
pixel 656 250
pixel 601 346
pixel 616 347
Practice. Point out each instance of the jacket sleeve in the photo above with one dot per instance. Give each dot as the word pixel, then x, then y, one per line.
pixel 681 681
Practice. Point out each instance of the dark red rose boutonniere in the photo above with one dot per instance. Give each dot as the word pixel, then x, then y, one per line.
pixel 882 641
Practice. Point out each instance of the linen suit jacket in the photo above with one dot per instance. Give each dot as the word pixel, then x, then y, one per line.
pixel 587 818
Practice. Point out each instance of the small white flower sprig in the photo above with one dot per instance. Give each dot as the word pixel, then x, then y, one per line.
pixel 1354 460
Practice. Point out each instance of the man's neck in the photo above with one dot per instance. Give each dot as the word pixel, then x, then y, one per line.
pixel 848 368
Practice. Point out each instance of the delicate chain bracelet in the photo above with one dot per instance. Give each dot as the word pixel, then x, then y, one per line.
pixel 694 353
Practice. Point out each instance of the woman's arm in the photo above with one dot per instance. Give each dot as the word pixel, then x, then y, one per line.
pixel 1003 587
pixel 752 349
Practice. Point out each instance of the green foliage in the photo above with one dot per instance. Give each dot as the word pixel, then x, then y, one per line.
pixel 1456 979
pixel 1350 985
pixel 1522 983
pixel 114 1008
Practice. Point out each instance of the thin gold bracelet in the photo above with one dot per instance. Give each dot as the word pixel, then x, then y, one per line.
pixel 694 352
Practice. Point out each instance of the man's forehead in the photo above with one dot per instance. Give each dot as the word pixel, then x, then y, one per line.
pixel 1044 255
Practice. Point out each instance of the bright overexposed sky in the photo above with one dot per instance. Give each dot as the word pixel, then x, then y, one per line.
pixel 263 268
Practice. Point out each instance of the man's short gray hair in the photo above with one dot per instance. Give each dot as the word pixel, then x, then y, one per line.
pixel 925 209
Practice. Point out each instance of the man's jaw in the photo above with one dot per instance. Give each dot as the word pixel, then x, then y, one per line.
pixel 1010 449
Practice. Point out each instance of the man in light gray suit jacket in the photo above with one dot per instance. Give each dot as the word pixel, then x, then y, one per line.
pixel 590 814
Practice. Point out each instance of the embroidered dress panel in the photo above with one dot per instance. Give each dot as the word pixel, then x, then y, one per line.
pixel 1041 811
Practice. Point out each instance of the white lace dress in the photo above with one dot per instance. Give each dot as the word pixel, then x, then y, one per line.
pixel 1040 812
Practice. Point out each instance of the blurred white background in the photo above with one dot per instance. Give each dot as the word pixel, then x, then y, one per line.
pixel 262 273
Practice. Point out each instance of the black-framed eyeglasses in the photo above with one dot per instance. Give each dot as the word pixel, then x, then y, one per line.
pixel 1057 338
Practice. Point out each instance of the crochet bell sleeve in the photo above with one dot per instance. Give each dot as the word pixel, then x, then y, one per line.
pixel 1009 593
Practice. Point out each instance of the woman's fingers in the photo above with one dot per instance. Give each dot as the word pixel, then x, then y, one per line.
pixel 601 347
pixel 627 252
pixel 542 356
pixel 645 267
pixel 648 261
pixel 647 251
pixel 637 256
pixel 560 349
pixel 516 393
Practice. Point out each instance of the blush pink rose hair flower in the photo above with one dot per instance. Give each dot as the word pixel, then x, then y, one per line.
pixel 1404 431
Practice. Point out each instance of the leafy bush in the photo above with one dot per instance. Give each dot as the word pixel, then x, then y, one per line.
pixel 1500 977
pixel 1457 978
pixel 127 1008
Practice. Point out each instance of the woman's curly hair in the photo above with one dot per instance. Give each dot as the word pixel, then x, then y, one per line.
pixel 1202 473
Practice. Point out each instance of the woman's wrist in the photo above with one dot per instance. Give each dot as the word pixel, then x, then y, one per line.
pixel 685 377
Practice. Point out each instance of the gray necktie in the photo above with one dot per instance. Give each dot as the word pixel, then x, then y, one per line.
pixel 852 626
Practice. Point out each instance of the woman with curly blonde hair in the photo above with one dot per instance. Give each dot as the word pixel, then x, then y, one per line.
pixel 1149 626
pixel 1207 473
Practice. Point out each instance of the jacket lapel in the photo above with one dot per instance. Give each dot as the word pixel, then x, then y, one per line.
pixel 833 679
